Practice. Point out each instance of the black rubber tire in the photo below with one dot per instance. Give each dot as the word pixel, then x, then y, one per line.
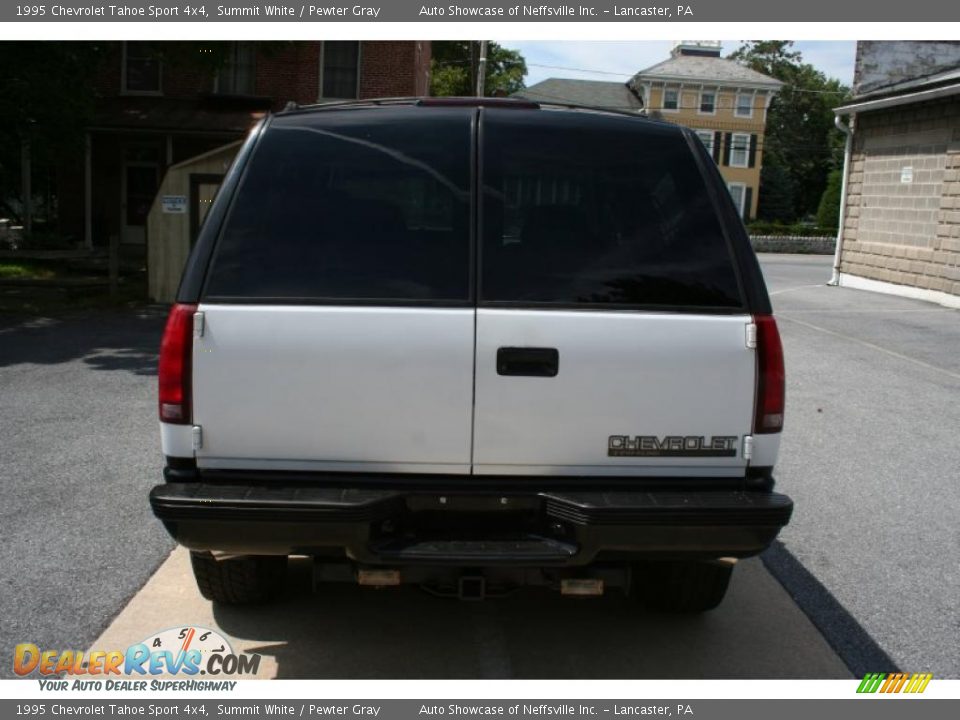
pixel 681 586
pixel 243 580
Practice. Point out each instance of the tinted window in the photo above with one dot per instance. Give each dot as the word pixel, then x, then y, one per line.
pixel 352 205
pixel 583 209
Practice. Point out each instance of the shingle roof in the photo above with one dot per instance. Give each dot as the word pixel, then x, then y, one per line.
pixel 943 77
pixel 707 69
pixel 592 93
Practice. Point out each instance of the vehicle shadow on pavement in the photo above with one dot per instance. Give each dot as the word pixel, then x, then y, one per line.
pixel 109 341
pixel 344 631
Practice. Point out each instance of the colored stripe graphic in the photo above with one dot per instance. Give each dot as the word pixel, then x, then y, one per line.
pixel 894 682
pixel 871 681
pixel 918 683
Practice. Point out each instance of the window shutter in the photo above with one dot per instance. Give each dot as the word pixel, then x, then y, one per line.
pixel 727 141
pixel 753 151
pixel 747 202
pixel 717 142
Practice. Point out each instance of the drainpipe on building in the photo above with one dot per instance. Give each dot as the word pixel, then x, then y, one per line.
pixel 847 148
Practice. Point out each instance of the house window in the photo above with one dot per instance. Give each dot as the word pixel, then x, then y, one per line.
pixel 141 68
pixel 340 70
pixel 708 102
pixel 739 150
pixel 671 99
pixel 238 74
pixel 744 105
pixel 738 192
pixel 706 137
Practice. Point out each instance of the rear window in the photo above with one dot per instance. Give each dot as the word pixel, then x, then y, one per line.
pixel 347 205
pixel 598 211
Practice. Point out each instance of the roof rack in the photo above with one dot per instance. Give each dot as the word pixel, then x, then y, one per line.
pixel 519 103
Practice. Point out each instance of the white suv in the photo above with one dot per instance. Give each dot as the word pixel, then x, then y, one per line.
pixel 472 344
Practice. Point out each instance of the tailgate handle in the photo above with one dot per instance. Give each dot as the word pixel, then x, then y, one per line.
pixel 528 361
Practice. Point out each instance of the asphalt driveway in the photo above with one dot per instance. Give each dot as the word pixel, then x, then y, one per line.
pixel 78 449
pixel 869 454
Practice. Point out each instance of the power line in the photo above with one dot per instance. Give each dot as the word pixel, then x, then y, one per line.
pixel 792 88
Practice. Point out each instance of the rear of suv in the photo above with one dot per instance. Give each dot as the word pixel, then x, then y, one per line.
pixel 472 345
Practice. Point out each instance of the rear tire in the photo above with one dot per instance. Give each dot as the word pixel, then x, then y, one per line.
pixel 681 586
pixel 243 580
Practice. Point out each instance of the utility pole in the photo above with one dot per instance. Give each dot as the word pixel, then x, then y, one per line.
pixel 482 68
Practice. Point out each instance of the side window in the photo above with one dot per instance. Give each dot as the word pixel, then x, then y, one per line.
pixel 671 99
pixel 340 69
pixel 706 137
pixel 708 102
pixel 739 150
pixel 141 68
pixel 737 194
pixel 586 211
pixel 238 74
pixel 352 206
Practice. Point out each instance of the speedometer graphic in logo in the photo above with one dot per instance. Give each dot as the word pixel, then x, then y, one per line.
pixel 189 637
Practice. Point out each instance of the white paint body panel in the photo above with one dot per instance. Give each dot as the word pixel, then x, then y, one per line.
pixel 176 440
pixel 765 450
pixel 620 373
pixel 335 388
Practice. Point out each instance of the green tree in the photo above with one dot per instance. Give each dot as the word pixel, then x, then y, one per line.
pixel 828 214
pixel 46 101
pixel 453 67
pixel 776 202
pixel 800 135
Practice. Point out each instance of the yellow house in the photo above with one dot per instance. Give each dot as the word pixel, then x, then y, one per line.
pixel 723 101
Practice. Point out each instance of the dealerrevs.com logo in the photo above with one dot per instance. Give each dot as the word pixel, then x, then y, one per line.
pixel 185 651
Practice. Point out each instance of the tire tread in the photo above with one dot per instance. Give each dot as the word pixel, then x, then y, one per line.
pixel 245 580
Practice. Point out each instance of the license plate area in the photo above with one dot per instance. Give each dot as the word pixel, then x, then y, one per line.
pixel 472 527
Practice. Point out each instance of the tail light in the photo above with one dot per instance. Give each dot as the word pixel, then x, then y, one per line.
pixel 771 381
pixel 175 365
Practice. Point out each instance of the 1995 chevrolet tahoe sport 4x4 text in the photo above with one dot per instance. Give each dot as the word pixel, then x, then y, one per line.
pixel 473 345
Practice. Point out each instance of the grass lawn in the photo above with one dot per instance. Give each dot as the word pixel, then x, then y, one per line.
pixel 10 269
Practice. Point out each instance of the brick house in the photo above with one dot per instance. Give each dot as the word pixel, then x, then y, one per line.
pixel 724 102
pixel 158 104
pixel 901 207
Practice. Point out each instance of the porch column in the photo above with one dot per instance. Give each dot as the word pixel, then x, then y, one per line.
pixel 26 189
pixel 87 192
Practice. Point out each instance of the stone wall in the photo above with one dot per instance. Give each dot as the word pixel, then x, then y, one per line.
pixel 793 244
pixel 902 220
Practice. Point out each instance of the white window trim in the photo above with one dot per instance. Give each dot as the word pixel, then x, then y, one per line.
pixel 123 77
pixel 712 134
pixel 743 195
pixel 716 98
pixel 736 104
pixel 320 95
pixel 663 99
pixel 746 151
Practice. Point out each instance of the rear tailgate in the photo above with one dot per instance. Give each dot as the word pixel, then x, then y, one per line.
pixel 634 394
pixel 612 324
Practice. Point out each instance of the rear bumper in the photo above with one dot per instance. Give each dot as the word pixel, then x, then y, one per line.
pixel 380 526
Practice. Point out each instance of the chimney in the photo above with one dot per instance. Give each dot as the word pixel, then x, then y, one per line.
pixel 697 48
